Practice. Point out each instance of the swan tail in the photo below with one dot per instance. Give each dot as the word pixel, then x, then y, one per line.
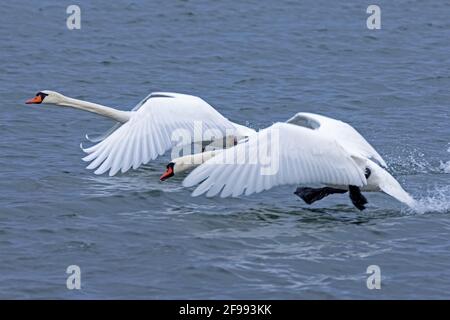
pixel 389 185
pixel 397 192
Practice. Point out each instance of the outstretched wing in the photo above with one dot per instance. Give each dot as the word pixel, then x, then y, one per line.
pixel 99 137
pixel 149 131
pixel 281 154
pixel 344 133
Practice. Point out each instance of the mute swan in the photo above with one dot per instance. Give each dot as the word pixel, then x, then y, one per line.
pixel 184 163
pixel 145 132
pixel 310 150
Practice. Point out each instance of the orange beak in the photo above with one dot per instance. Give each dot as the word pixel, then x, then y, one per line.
pixel 167 174
pixel 35 100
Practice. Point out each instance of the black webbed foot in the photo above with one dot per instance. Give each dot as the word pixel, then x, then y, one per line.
pixel 357 198
pixel 311 195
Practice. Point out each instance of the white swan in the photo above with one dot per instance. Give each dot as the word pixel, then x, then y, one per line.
pixel 184 163
pixel 310 150
pixel 187 162
pixel 145 132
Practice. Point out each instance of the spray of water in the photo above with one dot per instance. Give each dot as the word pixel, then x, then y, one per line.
pixel 436 200
pixel 411 161
pixel 445 166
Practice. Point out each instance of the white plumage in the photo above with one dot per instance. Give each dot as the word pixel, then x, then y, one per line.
pixel 303 156
pixel 308 150
pixel 347 136
pixel 151 131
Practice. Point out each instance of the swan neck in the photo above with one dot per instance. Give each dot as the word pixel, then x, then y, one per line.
pixel 193 160
pixel 118 115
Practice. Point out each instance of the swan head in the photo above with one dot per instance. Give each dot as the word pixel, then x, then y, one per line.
pixel 46 96
pixel 170 171
pixel 182 164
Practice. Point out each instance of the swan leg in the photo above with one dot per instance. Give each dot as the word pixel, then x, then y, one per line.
pixel 311 195
pixel 357 198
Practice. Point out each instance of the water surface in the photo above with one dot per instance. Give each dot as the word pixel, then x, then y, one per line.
pixel 257 62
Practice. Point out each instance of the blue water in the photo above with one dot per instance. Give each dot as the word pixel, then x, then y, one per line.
pixel 257 62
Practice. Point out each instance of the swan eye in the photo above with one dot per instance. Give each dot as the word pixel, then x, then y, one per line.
pixel 41 94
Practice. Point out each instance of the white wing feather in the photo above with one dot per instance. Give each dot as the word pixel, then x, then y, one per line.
pixel 345 134
pixel 304 156
pixel 243 131
pixel 148 133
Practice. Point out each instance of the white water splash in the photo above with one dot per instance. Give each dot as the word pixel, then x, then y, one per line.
pixel 410 161
pixel 436 200
pixel 413 161
pixel 445 166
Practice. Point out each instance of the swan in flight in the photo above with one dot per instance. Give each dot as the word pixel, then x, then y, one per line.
pixel 146 132
pixel 187 162
pixel 308 150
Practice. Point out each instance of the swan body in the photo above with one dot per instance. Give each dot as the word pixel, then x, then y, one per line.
pixel 309 149
pixel 147 131
pixel 347 136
